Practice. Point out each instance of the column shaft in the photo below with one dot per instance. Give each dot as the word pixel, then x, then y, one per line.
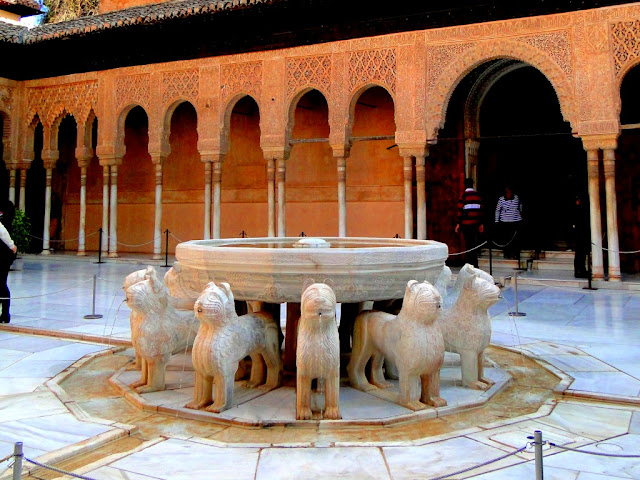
pixel 342 196
pixel 217 179
pixel 113 213
pixel 83 211
pixel 47 213
pixel 593 169
pixel 271 196
pixel 207 200
pixel 408 200
pixel 422 199
pixel 280 177
pixel 12 186
pixel 609 161
pixel 157 225
pixel 105 209
pixel 23 189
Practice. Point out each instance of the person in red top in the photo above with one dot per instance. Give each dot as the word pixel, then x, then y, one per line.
pixel 470 220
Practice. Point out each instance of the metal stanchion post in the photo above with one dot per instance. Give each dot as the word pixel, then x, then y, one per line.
pixel 589 274
pixel 166 248
pixel 517 313
pixel 537 441
pixel 93 314
pixel 17 461
pixel 100 246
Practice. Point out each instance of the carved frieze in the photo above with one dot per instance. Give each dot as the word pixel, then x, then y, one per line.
pixel 133 89
pixel 241 77
pixel 180 84
pixel 626 48
pixel 557 45
pixel 6 95
pixel 373 66
pixel 78 99
pixel 309 71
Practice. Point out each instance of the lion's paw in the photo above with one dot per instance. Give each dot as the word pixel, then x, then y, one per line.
pixel 332 413
pixel 303 414
pixel 437 402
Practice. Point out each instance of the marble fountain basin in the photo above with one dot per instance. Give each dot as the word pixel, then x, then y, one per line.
pixel 275 269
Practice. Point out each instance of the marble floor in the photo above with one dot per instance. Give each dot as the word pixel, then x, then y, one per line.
pixel 592 336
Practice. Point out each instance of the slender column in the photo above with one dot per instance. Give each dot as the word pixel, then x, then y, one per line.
pixel 342 196
pixel 12 186
pixel 23 189
pixel 408 200
pixel 217 179
pixel 271 196
pixel 113 214
pixel 281 168
pixel 594 209
pixel 609 161
pixel 47 213
pixel 207 200
pixel 422 200
pixel 83 211
pixel 157 225
pixel 105 209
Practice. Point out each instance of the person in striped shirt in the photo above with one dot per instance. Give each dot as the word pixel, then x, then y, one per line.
pixel 470 220
pixel 509 222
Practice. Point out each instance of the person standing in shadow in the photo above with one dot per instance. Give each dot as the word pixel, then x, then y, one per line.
pixel 7 256
pixel 509 222
pixel 581 237
pixel 470 220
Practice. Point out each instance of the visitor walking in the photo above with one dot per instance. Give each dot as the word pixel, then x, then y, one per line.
pixel 7 256
pixel 470 220
pixel 580 237
pixel 509 223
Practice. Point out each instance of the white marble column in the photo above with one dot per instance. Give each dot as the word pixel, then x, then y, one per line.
pixel 23 189
pixel 408 197
pixel 83 211
pixel 12 186
pixel 105 209
pixel 157 225
pixel 217 180
pixel 113 213
pixel 422 198
pixel 609 163
pixel 271 196
pixel 47 212
pixel 207 200
pixel 342 196
pixel 595 216
pixel 281 169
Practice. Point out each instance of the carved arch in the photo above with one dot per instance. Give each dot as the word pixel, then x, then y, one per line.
pixel 225 120
pixel 120 148
pixel 621 76
pixel 61 113
pixel 165 145
pixel 354 100
pixel 293 104
pixel 440 95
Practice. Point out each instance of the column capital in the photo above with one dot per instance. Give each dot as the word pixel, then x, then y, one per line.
pixel 341 150
pixel 605 141
pixel 109 160
pixel 277 153
pixel 413 150
pixel 212 157
pixel 49 158
pixel 342 168
pixel 158 158
pixel 83 156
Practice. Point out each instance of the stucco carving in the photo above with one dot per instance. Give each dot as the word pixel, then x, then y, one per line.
pixel 241 77
pixel 318 351
pixel 6 96
pixel 412 341
pixel 223 340
pixel 48 103
pixel 466 325
pixel 180 84
pixel 312 71
pixel 555 44
pixel 625 44
pixel 132 89
pixel 373 66
pixel 162 331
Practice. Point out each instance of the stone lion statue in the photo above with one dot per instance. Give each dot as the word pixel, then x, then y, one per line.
pixel 223 340
pixel 161 331
pixel 318 351
pixel 135 318
pixel 412 341
pixel 466 325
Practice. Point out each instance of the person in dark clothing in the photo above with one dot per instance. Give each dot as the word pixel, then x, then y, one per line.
pixel 7 256
pixel 470 220
pixel 581 237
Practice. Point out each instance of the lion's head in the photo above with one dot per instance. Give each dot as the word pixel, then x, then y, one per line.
pixel 421 301
pixel 147 294
pixel 318 300
pixel 215 305
pixel 483 291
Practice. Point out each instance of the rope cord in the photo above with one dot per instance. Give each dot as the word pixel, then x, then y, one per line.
pixel 134 245
pixel 7 458
pixel 176 238
pixel 65 239
pixel 508 243
pixel 599 454
pixel 58 470
pixel 50 293
pixel 488 462
pixel 630 252
pixel 470 250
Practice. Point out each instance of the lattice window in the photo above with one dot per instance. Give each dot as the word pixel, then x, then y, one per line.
pixel 378 66
pixel 626 48
pixel 132 89
pixel 309 71
pixel 180 84
pixel 241 77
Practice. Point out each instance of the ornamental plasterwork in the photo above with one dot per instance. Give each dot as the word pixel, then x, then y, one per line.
pixel 133 89
pixel 373 66
pixel 626 47
pixel 241 77
pixel 6 94
pixel 309 71
pixel 180 84
pixel 439 56
pixel 77 99
pixel 557 45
